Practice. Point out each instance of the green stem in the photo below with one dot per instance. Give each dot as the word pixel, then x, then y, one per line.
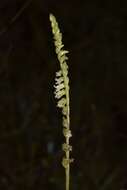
pixel 67 170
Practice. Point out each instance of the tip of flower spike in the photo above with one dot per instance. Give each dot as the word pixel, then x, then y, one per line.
pixel 51 17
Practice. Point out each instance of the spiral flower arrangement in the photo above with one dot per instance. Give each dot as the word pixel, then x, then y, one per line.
pixel 62 95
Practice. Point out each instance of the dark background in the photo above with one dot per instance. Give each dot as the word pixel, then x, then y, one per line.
pixel 95 33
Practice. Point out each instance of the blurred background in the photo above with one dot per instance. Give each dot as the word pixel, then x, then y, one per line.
pixel 95 33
